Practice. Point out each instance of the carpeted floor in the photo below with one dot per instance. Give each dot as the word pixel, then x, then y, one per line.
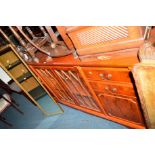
pixel 70 119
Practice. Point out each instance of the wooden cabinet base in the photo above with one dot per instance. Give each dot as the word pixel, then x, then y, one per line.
pixel 77 84
pixel 114 119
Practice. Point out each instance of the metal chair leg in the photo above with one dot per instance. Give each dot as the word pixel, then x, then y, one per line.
pixel 15 106
pixel 3 118
pixel 14 102
pixel 4 121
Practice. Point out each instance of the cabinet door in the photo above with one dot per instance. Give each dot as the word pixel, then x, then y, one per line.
pixel 51 82
pixel 125 108
pixel 76 87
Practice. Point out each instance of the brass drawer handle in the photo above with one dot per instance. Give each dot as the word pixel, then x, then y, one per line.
pixel 114 90
pixel 99 95
pixel 102 76
pixel 24 74
pixel 9 65
pixel 109 76
pixel 106 88
pixel 8 62
pixel 104 57
pixel 24 78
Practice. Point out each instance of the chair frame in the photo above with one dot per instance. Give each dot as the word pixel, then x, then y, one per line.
pixel 12 102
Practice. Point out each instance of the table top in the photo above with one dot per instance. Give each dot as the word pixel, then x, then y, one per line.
pixel 124 58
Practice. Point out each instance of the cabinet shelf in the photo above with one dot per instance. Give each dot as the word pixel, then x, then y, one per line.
pixel 13 65
pixel 38 92
pixel 24 77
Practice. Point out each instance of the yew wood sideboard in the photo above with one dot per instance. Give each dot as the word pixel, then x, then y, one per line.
pixel 104 88
pixel 88 67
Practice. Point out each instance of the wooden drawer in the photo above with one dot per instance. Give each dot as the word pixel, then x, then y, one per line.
pixel 8 58
pixel 113 88
pixel 29 84
pixel 18 71
pixel 108 74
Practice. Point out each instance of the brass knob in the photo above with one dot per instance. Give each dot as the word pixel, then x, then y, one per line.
pixel 8 62
pixel 102 75
pixel 109 114
pixel 106 88
pixel 114 90
pixel 23 70
pixel 109 76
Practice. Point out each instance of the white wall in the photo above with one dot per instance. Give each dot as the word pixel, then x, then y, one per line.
pixel 4 76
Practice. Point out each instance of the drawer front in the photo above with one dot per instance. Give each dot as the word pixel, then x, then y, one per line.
pixel 8 58
pixel 108 74
pixel 18 71
pixel 30 84
pixel 112 88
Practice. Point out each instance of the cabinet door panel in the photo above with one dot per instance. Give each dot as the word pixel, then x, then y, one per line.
pixel 76 88
pixel 125 108
pixel 53 85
